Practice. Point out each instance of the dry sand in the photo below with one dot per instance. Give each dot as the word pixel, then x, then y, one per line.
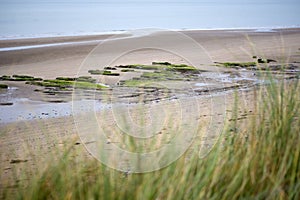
pixel 24 144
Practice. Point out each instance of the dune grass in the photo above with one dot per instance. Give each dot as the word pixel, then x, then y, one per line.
pixel 258 161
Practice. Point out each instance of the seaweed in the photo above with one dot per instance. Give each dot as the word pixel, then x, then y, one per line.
pixel 62 84
pixel 237 65
pixel 3 86
pixel 182 68
pixel 88 79
pixel 110 68
pixel 95 72
pixel 163 71
pixel 5 78
pixel 101 72
pixel 127 70
pixel 161 63
pixel 109 73
pixel 65 79
pixel 162 66
pixel 138 66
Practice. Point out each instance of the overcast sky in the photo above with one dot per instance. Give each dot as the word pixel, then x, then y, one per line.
pixel 160 1
pixel 19 17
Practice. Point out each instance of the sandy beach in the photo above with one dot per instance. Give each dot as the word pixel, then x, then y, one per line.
pixel 26 142
pixel 222 46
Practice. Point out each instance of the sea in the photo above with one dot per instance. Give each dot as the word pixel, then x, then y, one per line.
pixel 43 18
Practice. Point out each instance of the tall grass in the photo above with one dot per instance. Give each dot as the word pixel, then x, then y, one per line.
pixel 258 161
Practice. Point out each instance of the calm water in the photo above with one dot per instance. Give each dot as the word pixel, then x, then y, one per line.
pixel 27 18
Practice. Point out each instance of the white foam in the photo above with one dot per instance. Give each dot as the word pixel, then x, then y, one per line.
pixel 202 84
pixel 46 45
pixel 54 35
pixel 61 44
pixel 242 29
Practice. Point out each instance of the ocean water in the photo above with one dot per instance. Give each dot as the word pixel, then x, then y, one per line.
pixel 30 18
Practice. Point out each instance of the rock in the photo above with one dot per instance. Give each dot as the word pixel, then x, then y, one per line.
pixel 6 104
pixel 270 60
pixel 261 60
pixel 14 161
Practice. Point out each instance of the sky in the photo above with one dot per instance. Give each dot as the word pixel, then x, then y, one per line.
pixel 22 17
pixel 159 1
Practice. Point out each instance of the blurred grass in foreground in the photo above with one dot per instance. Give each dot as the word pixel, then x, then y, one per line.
pixel 259 161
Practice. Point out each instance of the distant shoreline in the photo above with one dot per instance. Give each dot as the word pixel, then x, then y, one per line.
pixel 15 44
